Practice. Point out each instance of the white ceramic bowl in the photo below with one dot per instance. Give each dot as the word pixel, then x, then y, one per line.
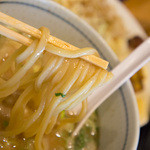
pixel 119 123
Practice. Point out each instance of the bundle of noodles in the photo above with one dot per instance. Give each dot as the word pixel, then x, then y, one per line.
pixel 48 80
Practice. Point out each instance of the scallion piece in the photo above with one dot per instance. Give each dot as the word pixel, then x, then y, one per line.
pixel 60 94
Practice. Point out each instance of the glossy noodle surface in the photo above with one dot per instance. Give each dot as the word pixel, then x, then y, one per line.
pixel 39 84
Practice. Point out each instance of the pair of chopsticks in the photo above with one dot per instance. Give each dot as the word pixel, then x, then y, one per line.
pixel 25 28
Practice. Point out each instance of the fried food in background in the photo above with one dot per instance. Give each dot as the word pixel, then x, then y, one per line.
pixel 101 16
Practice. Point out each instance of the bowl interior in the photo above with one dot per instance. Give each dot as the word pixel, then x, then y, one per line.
pixel 119 125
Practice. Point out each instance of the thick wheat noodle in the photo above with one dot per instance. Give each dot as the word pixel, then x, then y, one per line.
pixel 65 88
pixel 74 118
pixel 40 48
pixel 59 71
pixel 46 70
pixel 52 72
pixel 8 91
pixel 78 94
pixel 26 93
pixel 25 124
pixel 86 94
pixel 26 53
pixel 25 28
pixel 6 64
pixel 70 54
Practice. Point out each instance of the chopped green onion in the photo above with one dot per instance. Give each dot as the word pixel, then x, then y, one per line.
pixel 5 123
pixel 80 140
pixel 62 115
pixel 60 94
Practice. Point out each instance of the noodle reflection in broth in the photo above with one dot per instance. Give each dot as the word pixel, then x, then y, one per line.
pixel 45 81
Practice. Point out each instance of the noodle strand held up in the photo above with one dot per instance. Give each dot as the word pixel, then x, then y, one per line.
pixel 48 80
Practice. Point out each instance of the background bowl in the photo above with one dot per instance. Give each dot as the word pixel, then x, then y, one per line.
pixel 118 116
